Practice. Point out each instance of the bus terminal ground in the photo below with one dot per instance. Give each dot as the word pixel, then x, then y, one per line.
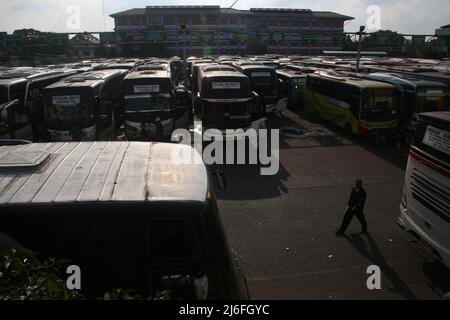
pixel 282 227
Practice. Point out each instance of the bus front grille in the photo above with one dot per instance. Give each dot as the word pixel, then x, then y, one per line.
pixel 431 194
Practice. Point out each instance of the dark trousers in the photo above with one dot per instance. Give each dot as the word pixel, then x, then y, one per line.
pixel 349 217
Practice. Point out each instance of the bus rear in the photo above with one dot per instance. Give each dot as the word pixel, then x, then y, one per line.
pixel 425 207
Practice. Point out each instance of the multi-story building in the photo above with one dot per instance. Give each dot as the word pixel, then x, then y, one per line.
pixel 213 30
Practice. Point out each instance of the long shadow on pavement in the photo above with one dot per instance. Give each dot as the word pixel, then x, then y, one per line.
pixel 374 255
pixel 245 182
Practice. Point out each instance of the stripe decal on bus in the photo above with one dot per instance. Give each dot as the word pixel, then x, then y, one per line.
pixel 429 164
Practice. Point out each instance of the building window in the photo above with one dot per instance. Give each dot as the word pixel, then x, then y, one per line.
pixel 251 21
pixel 284 23
pixel 136 21
pixel 170 21
pixel 212 21
pixel 121 22
pixel 223 21
pixel 317 24
pixel 295 23
pixel 234 21
pixel 273 23
pixel 306 23
pixel 155 20
pixel 196 21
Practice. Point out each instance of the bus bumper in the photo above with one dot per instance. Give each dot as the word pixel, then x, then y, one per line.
pixel 420 241
pixel 86 134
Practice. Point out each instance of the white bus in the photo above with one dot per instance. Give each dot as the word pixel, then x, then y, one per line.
pixel 425 207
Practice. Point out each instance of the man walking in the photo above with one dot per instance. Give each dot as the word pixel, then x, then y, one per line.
pixel 355 208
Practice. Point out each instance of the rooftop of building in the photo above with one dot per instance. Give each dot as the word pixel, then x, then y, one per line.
pixel 217 10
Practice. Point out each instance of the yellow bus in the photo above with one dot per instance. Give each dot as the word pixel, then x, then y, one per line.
pixel 362 107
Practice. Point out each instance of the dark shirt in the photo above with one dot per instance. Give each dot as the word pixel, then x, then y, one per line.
pixel 357 199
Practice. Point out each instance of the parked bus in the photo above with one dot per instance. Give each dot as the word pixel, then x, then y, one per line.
pixel 418 95
pixel 117 65
pixel 362 107
pixel 195 75
pixel 123 212
pixel 225 101
pixel 425 208
pixel 434 75
pixel 265 83
pixel 152 66
pixel 153 108
pixel 85 107
pixel 294 83
pixel 21 101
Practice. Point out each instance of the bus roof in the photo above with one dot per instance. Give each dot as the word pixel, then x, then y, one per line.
pixel 436 117
pixel 234 74
pixel 353 81
pixel 408 80
pixel 291 73
pixel 147 74
pixel 87 79
pixel 98 172
pixel 18 75
pixel 256 67
pixel 218 67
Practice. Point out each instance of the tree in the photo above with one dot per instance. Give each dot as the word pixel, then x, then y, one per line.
pixel 385 40
pixel 24 277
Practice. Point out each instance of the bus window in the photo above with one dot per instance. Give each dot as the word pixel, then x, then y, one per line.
pixel 378 105
pixel 182 284
pixel 72 106
pixel 147 104
pixel 434 141
pixel 172 240
pixel 432 100
pixel 410 104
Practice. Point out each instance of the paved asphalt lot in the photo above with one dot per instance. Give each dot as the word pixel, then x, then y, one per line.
pixel 282 227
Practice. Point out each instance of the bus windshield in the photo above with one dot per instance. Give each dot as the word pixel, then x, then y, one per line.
pixel 68 108
pixel 297 84
pixel 433 99
pixel 434 140
pixel 378 105
pixel 147 104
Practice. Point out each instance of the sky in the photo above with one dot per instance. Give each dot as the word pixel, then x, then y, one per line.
pixel 405 16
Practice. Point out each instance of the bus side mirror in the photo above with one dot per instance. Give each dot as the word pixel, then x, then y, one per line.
pixel 9 113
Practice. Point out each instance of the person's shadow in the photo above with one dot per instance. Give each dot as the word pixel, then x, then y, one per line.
pixel 371 251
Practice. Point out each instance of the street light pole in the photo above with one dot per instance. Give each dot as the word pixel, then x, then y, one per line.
pixel 361 30
pixel 183 27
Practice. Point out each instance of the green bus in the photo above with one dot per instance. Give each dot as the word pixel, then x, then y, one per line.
pixel 362 107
